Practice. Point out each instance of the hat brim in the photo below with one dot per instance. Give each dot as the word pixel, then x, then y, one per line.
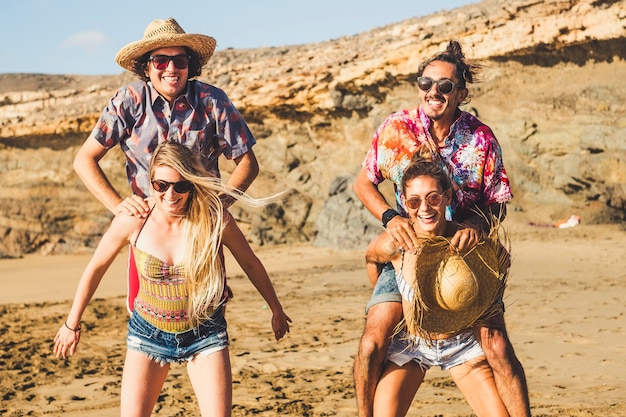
pixel 484 263
pixel 202 45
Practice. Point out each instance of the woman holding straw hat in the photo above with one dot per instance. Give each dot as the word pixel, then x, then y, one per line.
pixel 179 311
pixel 166 104
pixel 444 294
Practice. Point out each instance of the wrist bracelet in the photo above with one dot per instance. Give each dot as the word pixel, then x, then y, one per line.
pixel 74 330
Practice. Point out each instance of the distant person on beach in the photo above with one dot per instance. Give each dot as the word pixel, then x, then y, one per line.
pixel 444 293
pixel 166 104
pixel 178 312
pixel 471 156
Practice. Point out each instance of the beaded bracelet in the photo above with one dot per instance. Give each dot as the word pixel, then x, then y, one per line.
pixel 74 330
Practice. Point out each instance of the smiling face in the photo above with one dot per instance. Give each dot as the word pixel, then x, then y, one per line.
pixel 171 81
pixel 439 107
pixel 428 219
pixel 169 201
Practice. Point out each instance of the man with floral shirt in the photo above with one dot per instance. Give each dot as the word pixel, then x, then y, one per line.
pixel 470 153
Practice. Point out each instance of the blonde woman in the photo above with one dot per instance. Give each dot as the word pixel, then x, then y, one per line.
pixel 444 294
pixel 178 313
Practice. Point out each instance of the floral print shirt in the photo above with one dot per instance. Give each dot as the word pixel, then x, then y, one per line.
pixel 471 155
pixel 139 119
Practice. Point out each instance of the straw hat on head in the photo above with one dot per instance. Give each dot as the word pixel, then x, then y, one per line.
pixel 453 291
pixel 162 34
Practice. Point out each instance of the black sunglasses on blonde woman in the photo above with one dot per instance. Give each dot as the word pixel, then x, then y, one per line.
pixel 181 187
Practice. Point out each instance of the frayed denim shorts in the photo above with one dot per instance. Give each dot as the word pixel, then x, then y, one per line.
pixel 445 353
pixel 386 288
pixel 165 347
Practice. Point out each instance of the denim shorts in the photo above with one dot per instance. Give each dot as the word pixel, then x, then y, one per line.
pixel 386 288
pixel 165 347
pixel 445 353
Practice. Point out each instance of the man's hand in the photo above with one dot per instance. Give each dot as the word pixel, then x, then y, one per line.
pixel 134 206
pixel 465 239
pixel 402 233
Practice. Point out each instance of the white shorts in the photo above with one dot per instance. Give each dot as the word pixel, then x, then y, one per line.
pixel 445 353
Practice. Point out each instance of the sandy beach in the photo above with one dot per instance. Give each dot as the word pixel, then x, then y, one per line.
pixel 564 308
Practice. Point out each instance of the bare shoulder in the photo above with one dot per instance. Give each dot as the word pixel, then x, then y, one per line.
pixel 125 225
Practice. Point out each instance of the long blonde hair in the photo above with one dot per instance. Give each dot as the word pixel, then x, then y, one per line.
pixel 203 224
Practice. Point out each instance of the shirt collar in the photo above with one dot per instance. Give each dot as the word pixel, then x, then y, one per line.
pixel 185 98
pixel 426 121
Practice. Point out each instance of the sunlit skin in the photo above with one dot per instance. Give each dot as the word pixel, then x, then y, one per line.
pixel 441 108
pixel 170 82
pixel 400 383
pixel 170 201
pixel 442 111
pixel 427 220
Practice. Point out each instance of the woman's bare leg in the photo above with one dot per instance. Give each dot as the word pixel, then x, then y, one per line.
pixel 475 380
pixel 212 382
pixel 142 381
pixel 396 389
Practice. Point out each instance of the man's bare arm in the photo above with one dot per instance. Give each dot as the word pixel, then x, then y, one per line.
pixel 245 172
pixel 380 250
pixel 87 166
pixel 399 228
pixel 242 176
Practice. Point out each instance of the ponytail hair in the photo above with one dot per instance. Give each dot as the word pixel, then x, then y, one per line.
pixel 465 71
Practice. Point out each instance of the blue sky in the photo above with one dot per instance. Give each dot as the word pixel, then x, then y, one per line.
pixel 83 36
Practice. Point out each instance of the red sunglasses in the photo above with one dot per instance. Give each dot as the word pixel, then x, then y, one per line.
pixel 161 62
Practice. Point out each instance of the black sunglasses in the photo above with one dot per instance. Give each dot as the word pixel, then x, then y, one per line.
pixel 161 62
pixel 181 187
pixel 433 199
pixel 444 85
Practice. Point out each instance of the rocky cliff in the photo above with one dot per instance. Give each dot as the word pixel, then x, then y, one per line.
pixel 553 90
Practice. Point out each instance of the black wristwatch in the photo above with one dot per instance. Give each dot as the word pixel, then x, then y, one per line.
pixel 388 215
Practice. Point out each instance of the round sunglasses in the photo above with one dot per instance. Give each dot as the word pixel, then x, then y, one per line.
pixel 161 62
pixel 444 85
pixel 433 199
pixel 181 187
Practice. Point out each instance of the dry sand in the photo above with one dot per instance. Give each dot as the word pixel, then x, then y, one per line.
pixel 565 314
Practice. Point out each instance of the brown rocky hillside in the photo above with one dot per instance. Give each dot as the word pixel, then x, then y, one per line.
pixel 553 90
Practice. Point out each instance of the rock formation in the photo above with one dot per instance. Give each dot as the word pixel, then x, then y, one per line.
pixel 553 90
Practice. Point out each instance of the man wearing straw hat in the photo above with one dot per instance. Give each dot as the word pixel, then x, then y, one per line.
pixel 166 104
pixel 471 155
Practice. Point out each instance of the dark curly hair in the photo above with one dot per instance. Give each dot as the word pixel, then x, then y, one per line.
pixel 465 71
pixel 195 68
